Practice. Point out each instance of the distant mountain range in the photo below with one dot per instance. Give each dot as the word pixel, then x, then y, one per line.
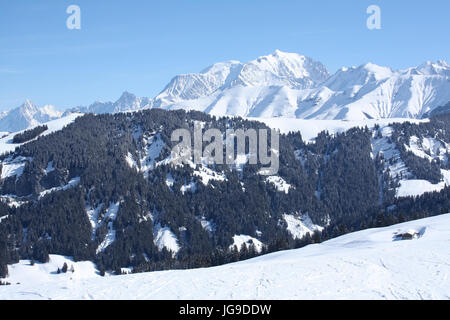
pixel 27 115
pixel 280 85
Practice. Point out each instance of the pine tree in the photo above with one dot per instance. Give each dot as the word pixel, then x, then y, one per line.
pixel 3 259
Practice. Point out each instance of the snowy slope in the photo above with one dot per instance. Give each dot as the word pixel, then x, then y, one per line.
pixel 414 187
pixel 40 273
pixel 242 239
pixel 6 144
pixel 369 264
pixel 309 129
pixel 165 238
pixel 300 225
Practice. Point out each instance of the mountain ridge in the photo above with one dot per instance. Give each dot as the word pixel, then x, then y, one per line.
pixel 106 188
pixel 283 85
pixel 27 115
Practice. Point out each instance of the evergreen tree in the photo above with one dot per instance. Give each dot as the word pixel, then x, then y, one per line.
pixel 3 259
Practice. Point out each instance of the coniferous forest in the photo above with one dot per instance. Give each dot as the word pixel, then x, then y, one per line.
pixel 113 172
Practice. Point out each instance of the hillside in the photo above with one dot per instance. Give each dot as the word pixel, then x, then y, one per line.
pixel 107 189
pixel 369 264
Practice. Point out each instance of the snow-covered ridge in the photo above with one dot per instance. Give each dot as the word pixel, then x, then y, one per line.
pixel 285 85
pixel 291 85
pixel 370 264
pixel 27 115
pixel 6 144
pixel 427 148
pixel 14 166
pixel 310 129
pixel 277 69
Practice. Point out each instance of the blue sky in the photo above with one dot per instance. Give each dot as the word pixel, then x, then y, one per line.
pixel 140 45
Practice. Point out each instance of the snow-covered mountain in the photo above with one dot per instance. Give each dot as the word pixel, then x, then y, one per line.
pixel 127 102
pixel 374 92
pixel 280 85
pixel 257 88
pixel 278 69
pixel 27 115
pixel 291 85
pixel 371 264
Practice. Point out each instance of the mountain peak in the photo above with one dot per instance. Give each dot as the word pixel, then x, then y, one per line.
pixel 279 69
pixel 278 52
pixel 377 71
pixel 347 78
pixel 375 68
pixel 443 63
pixel 126 96
pixel 220 66
pixel 283 69
pixel 439 67
pixel 26 115
pixel 289 84
pixel 284 54
pixel 27 109
pixel 126 100
pixel 28 104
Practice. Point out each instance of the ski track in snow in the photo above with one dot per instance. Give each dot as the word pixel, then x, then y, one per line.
pixel 362 265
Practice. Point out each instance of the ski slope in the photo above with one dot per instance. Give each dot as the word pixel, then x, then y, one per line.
pixel 369 264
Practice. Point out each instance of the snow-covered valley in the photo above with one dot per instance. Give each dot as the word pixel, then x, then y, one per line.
pixel 370 264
